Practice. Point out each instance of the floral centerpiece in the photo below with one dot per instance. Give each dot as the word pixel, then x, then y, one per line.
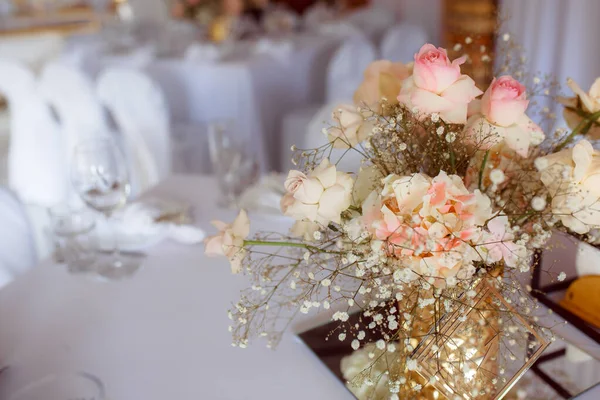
pixel 218 16
pixel 457 191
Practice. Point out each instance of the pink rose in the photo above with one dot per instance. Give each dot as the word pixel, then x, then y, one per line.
pixel 229 242
pixel 382 78
pixel 437 86
pixel 319 197
pixel 504 102
pixel 433 71
pixel 500 117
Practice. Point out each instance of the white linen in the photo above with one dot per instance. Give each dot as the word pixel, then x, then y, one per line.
pixel 318 14
pixel 201 93
pixel 31 50
pixel 17 249
pixel 142 116
pixel 72 94
pixel 163 334
pixel 278 49
pixel 347 161
pixel 203 52
pixel 346 69
pixel 264 196
pixel 148 222
pixel 401 42
pixel 37 170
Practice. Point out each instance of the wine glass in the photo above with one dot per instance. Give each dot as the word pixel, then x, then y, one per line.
pixel 71 229
pixel 99 175
pixel 62 386
pixel 233 162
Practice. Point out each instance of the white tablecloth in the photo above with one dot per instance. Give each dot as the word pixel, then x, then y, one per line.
pixel 163 333
pixel 255 90
pixel 160 335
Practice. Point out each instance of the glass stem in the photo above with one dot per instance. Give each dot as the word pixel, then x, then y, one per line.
pixel 115 251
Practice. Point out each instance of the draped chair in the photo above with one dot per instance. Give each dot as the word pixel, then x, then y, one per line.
pixel 141 114
pixel 344 75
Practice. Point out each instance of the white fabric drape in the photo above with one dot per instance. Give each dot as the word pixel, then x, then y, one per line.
pixel 559 36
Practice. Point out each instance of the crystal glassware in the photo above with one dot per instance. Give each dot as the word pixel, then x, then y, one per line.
pixel 99 175
pixel 234 163
pixel 63 386
pixel 71 228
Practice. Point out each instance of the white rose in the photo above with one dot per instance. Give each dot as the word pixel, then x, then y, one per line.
pixel 305 229
pixel 572 177
pixel 351 129
pixel 320 196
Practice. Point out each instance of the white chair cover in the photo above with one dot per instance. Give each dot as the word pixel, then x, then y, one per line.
pixel 347 161
pixel 31 50
pixel 137 58
pixel 316 15
pixel 72 95
pixel 373 21
pixel 17 250
pixel 37 169
pixel 140 111
pixel 401 42
pixel 346 69
pixel 344 75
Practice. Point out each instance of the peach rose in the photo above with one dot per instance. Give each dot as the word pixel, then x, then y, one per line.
pixel 572 177
pixel 500 117
pixel 437 86
pixel 382 79
pixel 319 197
pixel 229 242
pixel 351 129
pixel 587 102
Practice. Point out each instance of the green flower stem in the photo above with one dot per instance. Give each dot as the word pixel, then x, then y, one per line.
pixel 483 163
pixel 582 127
pixel 288 244
pixel 278 244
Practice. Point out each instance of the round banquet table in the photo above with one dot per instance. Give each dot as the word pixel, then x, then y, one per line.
pixel 163 333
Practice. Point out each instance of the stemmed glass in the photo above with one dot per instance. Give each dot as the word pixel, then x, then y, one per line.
pixel 99 175
pixel 233 162
pixel 63 386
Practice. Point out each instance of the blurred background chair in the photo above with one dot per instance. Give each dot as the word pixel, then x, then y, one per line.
pixel 37 162
pixel 72 95
pixel 401 42
pixel 141 114
pixel 344 75
pixel 17 249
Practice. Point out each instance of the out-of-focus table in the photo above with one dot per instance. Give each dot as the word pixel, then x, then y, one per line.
pixel 255 90
pixel 161 334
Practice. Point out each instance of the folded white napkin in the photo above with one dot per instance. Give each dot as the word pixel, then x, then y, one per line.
pixel 264 196
pixel 146 223
pixel 278 49
pixel 203 53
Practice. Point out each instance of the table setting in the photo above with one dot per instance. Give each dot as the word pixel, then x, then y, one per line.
pixel 438 240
